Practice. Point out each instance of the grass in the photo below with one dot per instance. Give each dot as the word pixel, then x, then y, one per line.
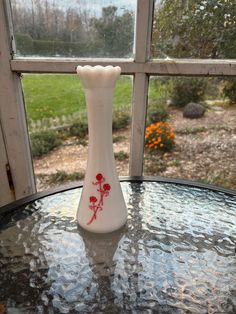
pixel 50 95
pixel 56 95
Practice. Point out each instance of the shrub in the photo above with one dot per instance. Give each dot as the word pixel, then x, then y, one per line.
pixel 43 142
pixel 121 119
pixel 61 48
pixel 229 90
pixel 118 138
pixel 79 129
pixel 63 176
pixel 157 113
pixel 185 90
pixel 24 44
pixel 159 137
pixel 121 155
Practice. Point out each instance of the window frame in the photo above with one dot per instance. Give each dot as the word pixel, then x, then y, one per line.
pixel 141 67
pixel 18 179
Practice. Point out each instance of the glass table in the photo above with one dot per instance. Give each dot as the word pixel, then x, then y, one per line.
pixel 175 255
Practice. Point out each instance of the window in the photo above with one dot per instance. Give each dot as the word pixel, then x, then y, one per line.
pixel 58 127
pixel 74 28
pixel 204 147
pixel 194 29
pixel 163 52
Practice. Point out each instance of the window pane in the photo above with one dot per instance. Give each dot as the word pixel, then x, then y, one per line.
pixel 57 122
pixel 203 148
pixel 75 28
pixel 194 29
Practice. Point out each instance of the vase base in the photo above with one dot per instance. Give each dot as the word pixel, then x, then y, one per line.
pixel 102 229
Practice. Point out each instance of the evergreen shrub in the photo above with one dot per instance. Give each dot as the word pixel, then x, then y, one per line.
pixel 43 142
pixel 184 90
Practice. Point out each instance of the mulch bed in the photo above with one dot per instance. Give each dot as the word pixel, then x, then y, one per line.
pixel 205 150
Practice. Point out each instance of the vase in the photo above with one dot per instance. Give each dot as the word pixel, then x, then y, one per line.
pixel 102 207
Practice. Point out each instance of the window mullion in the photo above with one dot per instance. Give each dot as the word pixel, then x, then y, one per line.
pixel 140 90
pixel 174 67
pixel 139 109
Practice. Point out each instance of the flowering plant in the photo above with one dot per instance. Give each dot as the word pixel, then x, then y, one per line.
pixel 159 136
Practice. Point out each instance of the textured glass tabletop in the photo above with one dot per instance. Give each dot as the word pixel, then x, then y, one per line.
pixel 175 255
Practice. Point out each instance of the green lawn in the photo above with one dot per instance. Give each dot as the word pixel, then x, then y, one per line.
pixel 50 95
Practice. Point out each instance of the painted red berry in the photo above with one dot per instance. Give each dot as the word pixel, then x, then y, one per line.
pixel 93 199
pixel 106 187
pixel 99 177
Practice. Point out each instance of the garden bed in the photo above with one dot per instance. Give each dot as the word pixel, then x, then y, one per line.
pixel 204 151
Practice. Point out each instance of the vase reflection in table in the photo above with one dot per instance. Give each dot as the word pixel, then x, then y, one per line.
pixel 102 207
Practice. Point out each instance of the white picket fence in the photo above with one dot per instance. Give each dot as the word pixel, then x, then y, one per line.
pixel 55 123
pixel 65 121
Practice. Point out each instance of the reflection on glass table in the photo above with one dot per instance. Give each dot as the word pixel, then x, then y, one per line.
pixel 175 255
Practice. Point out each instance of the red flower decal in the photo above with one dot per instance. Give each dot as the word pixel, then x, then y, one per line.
pixel 99 177
pixel 97 204
pixel 93 199
pixel 106 187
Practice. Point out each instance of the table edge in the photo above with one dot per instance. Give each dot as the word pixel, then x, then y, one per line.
pixel 31 198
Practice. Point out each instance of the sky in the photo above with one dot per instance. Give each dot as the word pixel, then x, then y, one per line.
pixel 96 5
pixel 93 6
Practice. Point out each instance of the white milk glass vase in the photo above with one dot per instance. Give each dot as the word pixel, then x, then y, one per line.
pixel 102 207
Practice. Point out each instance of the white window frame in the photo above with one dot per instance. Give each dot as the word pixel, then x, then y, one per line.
pixel 141 67
pixel 17 177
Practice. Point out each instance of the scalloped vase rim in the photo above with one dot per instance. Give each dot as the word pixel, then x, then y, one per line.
pixel 98 76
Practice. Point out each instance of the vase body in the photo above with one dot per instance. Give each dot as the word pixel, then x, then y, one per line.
pixel 102 207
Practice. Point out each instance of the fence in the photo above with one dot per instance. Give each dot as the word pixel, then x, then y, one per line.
pixel 55 123
pixel 121 118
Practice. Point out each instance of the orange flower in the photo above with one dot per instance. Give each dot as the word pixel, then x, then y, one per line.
pixel 159 136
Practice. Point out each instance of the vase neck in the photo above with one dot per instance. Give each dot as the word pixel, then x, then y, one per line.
pixel 99 109
pixel 99 96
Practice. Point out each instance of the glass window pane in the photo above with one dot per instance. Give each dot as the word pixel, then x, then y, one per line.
pixel 190 131
pixel 194 29
pixel 74 28
pixel 57 123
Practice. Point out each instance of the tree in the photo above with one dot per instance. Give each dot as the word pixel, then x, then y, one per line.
pixel 195 28
pixel 50 27
pixel 114 33
pixel 74 28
